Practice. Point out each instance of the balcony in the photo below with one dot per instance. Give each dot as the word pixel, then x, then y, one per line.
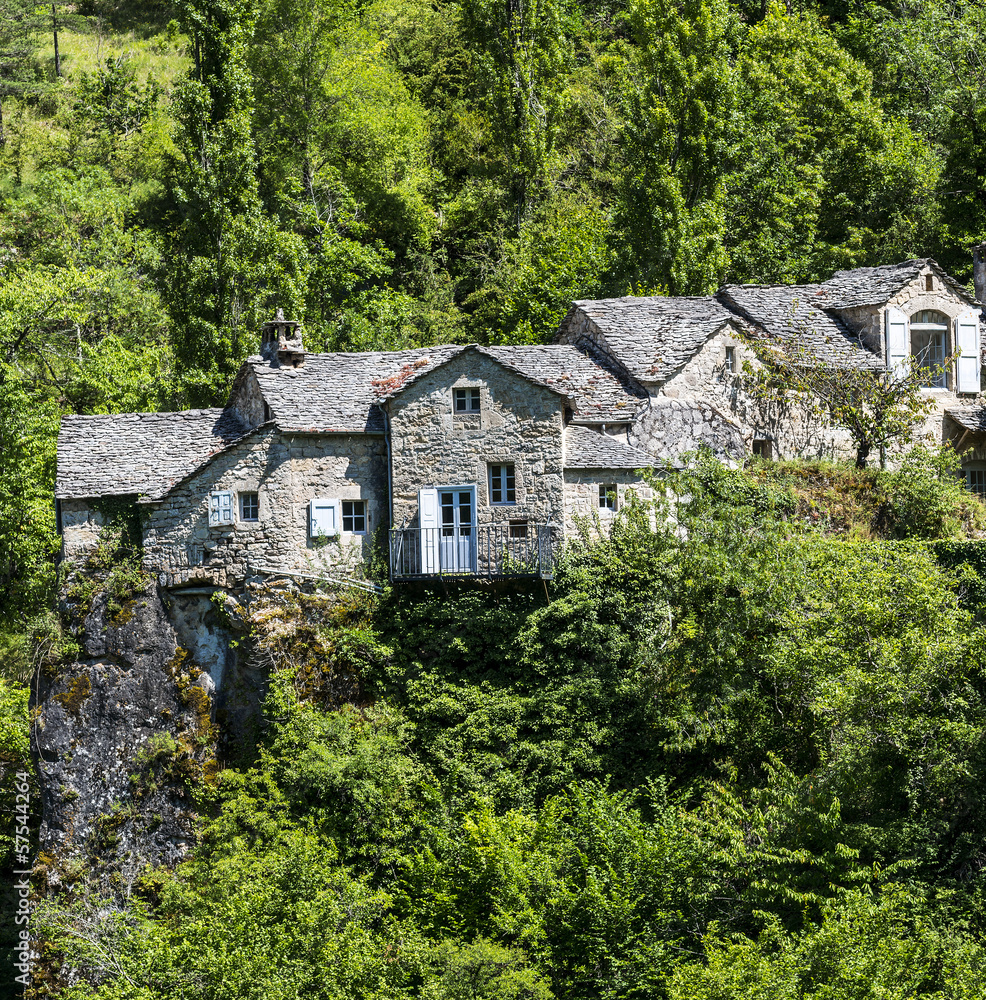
pixel 492 551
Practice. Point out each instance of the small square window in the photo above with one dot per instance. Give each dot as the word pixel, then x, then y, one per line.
pixel 762 448
pixel 503 483
pixel 354 516
pixel 607 496
pixel 731 359
pixel 466 400
pixel 249 507
pixel 518 529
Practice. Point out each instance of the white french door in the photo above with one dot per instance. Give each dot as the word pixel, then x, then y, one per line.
pixel 457 509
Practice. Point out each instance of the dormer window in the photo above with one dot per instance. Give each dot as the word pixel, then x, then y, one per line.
pixel 465 400
pixel 929 347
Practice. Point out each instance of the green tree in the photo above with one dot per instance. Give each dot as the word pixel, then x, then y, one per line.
pixel 670 216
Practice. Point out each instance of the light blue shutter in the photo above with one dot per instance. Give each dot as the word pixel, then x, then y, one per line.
pixel 967 348
pixel 324 518
pixel 220 507
pixel 898 342
pixel 428 523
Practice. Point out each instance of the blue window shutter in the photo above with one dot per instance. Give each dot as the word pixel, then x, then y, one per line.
pixel 220 507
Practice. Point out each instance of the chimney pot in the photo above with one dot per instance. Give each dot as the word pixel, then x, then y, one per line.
pixel 280 341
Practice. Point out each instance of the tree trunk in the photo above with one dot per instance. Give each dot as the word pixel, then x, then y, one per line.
pixel 862 453
pixel 54 30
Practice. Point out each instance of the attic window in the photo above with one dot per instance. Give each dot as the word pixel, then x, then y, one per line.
pixel 731 360
pixel 929 284
pixel 465 400
pixel 929 347
pixel 607 496
pixel 249 507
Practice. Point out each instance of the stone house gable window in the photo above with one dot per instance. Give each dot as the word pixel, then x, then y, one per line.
pixel 929 346
pixel 354 517
pixel 731 365
pixel 220 507
pixel 503 484
pixel 465 400
pixel 249 507
pixel 607 496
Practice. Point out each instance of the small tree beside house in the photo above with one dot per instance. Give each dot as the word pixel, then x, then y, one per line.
pixel 876 406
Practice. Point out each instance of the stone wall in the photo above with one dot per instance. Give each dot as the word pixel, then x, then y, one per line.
pixel 81 525
pixel 582 510
pixel 518 423
pixel 286 472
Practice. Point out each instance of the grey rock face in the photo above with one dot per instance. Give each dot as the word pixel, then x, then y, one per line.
pixel 119 736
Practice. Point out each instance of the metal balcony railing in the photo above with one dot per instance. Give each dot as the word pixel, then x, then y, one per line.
pixel 490 551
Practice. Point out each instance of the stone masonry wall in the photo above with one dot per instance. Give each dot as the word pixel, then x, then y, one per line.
pixel 519 423
pixel 81 525
pixel 286 472
pixel 582 508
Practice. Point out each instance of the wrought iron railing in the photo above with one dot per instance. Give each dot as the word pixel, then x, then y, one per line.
pixel 489 550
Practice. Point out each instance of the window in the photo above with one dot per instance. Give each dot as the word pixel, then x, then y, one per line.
pixel 929 284
pixel 929 346
pixel 731 359
pixel 762 448
pixel 466 400
pixel 518 529
pixel 502 484
pixel 354 516
pixel 607 496
pixel 249 507
pixel 220 507
pixel 976 480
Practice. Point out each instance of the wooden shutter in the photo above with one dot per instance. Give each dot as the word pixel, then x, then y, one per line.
pixel 428 523
pixel 967 348
pixel 898 342
pixel 324 518
pixel 220 507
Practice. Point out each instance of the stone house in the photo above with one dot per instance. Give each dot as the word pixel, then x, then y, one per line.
pixel 688 353
pixel 481 460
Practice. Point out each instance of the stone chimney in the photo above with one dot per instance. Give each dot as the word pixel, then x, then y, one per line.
pixel 979 271
pixel 280 341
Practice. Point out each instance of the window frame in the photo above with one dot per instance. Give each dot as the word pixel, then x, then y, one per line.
pixel 731 359
pixel 924 327
pixel 507 486
pixel 352 516
pixel 470 394
pixel 608 498
pixel 242 499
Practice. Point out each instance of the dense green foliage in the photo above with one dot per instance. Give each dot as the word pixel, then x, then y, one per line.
pixel 740 757
pixel 727 755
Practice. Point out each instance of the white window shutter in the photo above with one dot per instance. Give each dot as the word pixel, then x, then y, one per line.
pixel 220 507
pixel 428 523
pixel 967 347
pixel 898 342
pixel 324 518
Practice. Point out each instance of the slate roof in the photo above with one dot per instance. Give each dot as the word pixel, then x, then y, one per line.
pixel 792 313
pixel 972 418
pixel 654 336
pixel 336 392
pixel 596 392
pixel 120 454
pixel 873 286
pixel 586 448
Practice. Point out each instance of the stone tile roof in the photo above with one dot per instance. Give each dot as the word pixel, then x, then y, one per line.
pixel 596 392
pixel 653 336
pixel 972 418
pixel 586 377
pixel 340 392
pixel 873 286
pixel 120 454
pixel 586 448
pixel 793 313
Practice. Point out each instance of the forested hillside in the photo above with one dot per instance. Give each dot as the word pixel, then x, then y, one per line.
pixel 740 754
